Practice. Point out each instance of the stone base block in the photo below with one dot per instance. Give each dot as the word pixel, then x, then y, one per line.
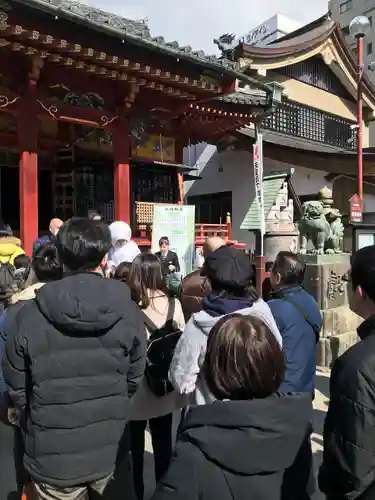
pixel 324 279
pixel 339 320
pixel 329 349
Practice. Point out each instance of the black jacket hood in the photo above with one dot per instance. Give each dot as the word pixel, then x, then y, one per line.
pixel 251 437
pixel 84 303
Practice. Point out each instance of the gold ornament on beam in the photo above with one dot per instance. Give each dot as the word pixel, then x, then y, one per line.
pixel 105 121
pixel 51 110
pixel 4 101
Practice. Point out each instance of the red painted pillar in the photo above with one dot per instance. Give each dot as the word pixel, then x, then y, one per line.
pixel 28 169
pixel 121 157
pixel 179 158
pixel 360 117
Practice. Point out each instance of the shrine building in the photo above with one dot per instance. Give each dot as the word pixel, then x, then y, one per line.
pixel 96 112
pixel 312 131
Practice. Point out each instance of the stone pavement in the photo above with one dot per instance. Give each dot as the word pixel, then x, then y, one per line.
pixel 320 408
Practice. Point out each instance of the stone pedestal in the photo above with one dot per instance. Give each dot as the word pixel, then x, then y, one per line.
pixel 323 279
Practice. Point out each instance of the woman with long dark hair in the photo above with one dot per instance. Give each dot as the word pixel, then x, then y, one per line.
pixel 122 272
pixel 240 446
pixel 147 284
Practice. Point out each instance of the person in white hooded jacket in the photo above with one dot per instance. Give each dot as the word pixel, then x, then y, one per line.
pixel 123 248
pixel 231 276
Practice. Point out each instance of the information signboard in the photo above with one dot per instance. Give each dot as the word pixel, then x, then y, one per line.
pixel 177 222
pixel 356 209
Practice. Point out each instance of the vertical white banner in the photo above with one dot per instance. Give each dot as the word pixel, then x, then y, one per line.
pixel 258 181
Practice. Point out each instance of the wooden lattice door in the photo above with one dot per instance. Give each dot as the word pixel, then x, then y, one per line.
pixel 63 185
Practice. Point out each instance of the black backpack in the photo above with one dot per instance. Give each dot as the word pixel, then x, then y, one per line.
pixel 8 285
pixel 161 346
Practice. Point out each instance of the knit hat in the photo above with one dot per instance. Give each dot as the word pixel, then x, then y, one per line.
pixel 228 269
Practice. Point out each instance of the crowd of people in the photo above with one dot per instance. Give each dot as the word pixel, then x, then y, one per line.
pixel 95 348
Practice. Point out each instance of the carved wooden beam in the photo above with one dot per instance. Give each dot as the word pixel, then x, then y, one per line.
pixel 68 50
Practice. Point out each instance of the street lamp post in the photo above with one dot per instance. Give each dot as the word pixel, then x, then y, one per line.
pixel 359 28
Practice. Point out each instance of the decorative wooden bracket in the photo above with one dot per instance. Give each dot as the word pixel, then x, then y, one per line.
pixel 132 95
pixel 36 66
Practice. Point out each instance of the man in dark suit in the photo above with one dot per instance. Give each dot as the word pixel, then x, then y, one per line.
pixel 169 260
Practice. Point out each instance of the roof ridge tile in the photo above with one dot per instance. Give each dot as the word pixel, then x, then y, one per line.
pixel 138 29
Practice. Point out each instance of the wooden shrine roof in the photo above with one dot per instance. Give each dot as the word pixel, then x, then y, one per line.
pixel 137 33
pixel 92 66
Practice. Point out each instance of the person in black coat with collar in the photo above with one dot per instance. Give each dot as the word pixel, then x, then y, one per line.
pixel 169 260
pixel 240 446
pixel 348 468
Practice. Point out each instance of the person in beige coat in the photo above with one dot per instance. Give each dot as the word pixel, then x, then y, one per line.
pixel 148 289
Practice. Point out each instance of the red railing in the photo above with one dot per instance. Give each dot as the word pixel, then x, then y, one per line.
pixel 203 231
pixel 144 217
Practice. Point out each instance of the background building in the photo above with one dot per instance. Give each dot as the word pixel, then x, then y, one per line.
pixel 269 31
pixel 312 130
pixel 344 11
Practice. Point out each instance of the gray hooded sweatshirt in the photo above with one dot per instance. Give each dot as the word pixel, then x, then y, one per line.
pixel 190 352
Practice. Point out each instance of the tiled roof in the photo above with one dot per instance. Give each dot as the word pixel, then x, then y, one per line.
pixel 272 184
pixel 255 98
pixel 136 31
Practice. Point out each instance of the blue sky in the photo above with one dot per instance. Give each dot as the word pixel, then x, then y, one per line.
pixel 197 22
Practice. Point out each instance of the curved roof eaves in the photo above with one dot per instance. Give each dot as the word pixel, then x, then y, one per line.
pixel 306 38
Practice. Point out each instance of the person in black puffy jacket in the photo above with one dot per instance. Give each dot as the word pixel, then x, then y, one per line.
pixel 348 468
pixel 73 357
pixel 240 446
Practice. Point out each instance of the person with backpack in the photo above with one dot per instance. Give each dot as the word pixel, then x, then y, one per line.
pixel 14 279
pixel 299 320
pixel 46 268
pixel 54 227
pixel 155 399
pixel 10 246
pixel 10 249
pixel 238 447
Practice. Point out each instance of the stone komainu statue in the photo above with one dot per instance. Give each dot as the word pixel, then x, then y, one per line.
pixel 324 229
